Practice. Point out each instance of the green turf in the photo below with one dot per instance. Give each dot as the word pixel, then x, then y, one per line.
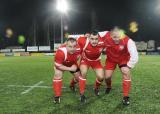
pixel 28 71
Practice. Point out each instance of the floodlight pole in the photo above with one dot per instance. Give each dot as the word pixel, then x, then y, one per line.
pixel 61 28
pixel 62 7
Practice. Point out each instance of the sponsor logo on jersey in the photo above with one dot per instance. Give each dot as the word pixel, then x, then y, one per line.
pixel 121 47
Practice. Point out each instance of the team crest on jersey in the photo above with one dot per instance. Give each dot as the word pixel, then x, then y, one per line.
pixel 121 47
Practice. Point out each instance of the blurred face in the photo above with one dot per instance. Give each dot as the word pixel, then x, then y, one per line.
pixel 115 35
pixel 71 47
pixel 93 39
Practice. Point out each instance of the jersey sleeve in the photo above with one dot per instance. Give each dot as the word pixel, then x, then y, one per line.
pixel 101 42
pixel 81 42
pixel 59 58
pixel 103 33
pixel 133 53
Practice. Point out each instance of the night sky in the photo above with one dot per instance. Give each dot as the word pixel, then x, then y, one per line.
pixel 23 16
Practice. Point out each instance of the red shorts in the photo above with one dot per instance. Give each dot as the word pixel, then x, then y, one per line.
pixel 93 64
pixel 110 65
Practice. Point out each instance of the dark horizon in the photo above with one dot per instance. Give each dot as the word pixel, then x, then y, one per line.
pixel 21 16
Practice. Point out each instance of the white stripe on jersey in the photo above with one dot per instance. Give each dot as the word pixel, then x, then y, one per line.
pixel 100 42
pixel 103 33
pixel 133 53
pixel 86 44
pixel 78 49
pixel 64 51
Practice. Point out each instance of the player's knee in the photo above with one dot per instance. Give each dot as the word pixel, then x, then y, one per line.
pixel 83 74
pixel 100 78
pixel 77 76
pixel 125 72
pixel 126 77
pixel 107 76
pixel 57 76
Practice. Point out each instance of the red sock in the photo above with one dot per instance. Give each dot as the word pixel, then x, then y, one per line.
pixel 82 85
pixel 57 87
pixel 73 82
pixel 97 84
pixel 108 83
pixel 126 87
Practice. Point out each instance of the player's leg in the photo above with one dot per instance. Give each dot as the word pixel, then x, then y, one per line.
pixel 109 70
pixel 75 79
pixel 82 79
pixel 108 80
pixel 98 68
pixel 99 79
pixel 57 84
pixel 126 83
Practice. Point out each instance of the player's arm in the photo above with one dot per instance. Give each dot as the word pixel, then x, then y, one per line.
pixel 65 68
pixel 133 54
pixel 59 59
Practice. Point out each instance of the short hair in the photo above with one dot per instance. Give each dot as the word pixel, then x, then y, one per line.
pixel 94 32
pixel 71 39
pixel 116 28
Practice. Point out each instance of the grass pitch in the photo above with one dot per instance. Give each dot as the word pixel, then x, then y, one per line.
pixel 26 87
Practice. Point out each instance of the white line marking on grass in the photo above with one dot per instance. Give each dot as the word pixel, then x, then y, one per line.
pixel 31 86
pixel 28 90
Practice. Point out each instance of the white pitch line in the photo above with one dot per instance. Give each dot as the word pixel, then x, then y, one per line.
pixel 31 86
pixel 26 91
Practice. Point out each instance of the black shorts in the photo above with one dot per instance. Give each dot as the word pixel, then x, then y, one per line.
pixel 75 71
pixel 123 65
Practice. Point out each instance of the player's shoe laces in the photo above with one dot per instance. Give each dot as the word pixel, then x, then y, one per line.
pixel 125 101
pixel 57 100
pixel 82 98
pixel 107 91
pixel 72 88
pixel 96 91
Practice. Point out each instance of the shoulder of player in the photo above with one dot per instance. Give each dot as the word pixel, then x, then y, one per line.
pixel 101 41
pixel 81 39
pixel 61 51
pixel 126 39
pixel 103 33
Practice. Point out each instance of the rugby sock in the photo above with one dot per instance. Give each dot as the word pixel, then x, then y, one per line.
pixel 97 84
pixel 126 87
pixel 73 82
pixel 57 87
pixel 108 82
pixel 82 85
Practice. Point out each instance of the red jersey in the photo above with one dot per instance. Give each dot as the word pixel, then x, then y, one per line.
pixel 89 52
pixel 116 52
pixel 65 58
pixel 125 50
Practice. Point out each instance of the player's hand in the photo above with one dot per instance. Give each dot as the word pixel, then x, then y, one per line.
pixel 73 68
